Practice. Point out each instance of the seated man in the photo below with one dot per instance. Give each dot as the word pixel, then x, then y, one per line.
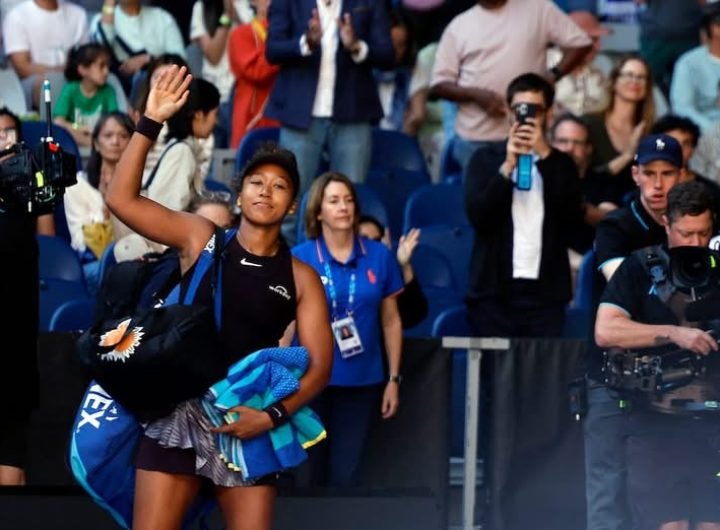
pixel 672 459
pixel 38 34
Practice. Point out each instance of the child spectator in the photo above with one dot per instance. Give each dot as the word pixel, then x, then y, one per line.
pixel 87 95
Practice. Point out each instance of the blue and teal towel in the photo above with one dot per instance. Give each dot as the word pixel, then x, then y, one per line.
pixel 257 381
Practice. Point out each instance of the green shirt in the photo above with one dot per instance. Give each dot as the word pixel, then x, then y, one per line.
pixel 79 109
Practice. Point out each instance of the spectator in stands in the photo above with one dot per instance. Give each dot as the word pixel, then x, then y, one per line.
pixel 170 473
pixel 135 33
pixel 362 280
pixel 656 170
pixel 393 85
pixel 412 304
pixel 254 75
pixel 616 131
pixel 38 35
pixel 210 27
pixel 486 47
pixel 424 117
pixel 90 223
pixel 584 89
pixel 87 95
pixel 520 281
pixel 179 173
pixel 325 94
pixel 19 270
pixel 215 206
pixel 570 134
pixel 668 28
pixel 695 89
pixel 687 133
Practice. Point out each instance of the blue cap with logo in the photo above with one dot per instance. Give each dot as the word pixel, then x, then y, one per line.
pixel 659 147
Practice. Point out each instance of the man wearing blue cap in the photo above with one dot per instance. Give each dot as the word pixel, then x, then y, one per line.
pixel 656 169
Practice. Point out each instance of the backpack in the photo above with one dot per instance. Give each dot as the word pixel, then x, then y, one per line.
pixel 137 284
pixel 104 436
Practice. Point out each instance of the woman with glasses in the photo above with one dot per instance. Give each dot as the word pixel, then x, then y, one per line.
pixel 616 131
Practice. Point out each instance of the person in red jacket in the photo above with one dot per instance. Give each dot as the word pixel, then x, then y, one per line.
pixel 254 75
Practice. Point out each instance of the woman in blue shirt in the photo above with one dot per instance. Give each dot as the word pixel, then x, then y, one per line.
pixel 361 280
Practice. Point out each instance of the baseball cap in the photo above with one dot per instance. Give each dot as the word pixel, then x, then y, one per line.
pixel 272 153
pixel 659 147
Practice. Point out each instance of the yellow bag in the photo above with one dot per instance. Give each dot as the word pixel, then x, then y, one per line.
pixel 98 236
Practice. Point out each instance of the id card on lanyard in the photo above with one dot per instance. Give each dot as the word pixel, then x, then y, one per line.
pixel 344 327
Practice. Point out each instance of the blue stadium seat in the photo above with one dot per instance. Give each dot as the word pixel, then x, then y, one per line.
pixel 11 92
pixel 73 315
pixel 394 187
pixel 450 169
pixel 434 274
pixel 60 275
pixel 578 314
pixel 370 204
pixel 396 150
pixel 435 204
pixel 216 185
pixel 452 322
pixel 107 260
pixel 251 141
pixel 453 242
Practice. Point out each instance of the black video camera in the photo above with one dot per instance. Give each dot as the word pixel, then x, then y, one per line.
pixel 695 268
pixel 523 111
pixel 33 181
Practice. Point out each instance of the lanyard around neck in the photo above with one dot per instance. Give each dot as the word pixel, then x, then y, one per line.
pixel 331 287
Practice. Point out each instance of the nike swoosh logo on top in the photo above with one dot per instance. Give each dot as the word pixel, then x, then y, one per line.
pixel 250 263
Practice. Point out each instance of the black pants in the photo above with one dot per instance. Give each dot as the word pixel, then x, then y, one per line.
pixel 522 313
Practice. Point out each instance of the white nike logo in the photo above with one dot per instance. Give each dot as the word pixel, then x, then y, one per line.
pixel 250 263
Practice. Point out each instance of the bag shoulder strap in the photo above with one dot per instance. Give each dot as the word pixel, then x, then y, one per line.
pixel 155 168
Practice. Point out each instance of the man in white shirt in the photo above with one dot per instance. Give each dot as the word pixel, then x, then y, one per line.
pixel 38 34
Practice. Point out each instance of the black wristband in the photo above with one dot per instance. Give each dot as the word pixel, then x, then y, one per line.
pixel 278 414
pixel 148 128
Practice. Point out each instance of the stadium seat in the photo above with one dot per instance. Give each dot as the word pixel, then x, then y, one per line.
pixel 73 315
pixel 60 275
pixel 578 313
pixel 435 276
pixel 216 185
pixel 435 204
pixel 453 322
pixel 11 92
pixel 453 242
pixel 370 204
pixel 450 169
pixel 107 260
pixel 395 150
pixel 251 141
pixel 394 187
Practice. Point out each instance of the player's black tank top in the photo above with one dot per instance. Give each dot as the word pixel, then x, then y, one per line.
pixel 258 298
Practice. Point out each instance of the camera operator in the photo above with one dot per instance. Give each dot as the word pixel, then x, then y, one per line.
pixel 671 459
pixel 656 169
pixel 19 286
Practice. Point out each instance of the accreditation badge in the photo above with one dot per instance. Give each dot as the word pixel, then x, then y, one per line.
pixel 347 337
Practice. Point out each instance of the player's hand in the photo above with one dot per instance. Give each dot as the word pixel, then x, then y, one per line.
pixel 168 93
pixel 249 423
pixel 693 339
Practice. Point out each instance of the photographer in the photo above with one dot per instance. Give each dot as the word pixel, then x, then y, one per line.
pixel 19 271
pixel 671 459
pixel 521 201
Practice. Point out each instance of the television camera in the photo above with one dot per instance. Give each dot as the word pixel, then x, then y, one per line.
pixel 33 179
